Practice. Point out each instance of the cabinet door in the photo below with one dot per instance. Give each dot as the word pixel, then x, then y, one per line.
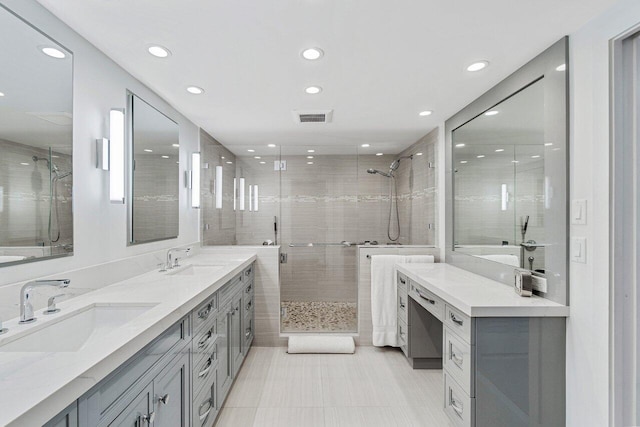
pixel 237 334
pixel 171 394
pixel 224 364
pixel 66 418
pixel 139 413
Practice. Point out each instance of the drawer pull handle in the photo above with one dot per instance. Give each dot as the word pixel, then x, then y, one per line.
pixel 454 405
pixel 164 399
pixel 404 282
pixel 429 300
pixel 456 359
pixel 402 305
pixel 247 333
pixel 455 320
pixel 205 371
pixel 203 342
pixel 149 418
pixel 248 305
pixel 248 272
pixel 204 313
pixel 206 413
pixel 248 289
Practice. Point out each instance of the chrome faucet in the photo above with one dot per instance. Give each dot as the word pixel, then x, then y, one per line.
pixel 26 309
pixel 170 262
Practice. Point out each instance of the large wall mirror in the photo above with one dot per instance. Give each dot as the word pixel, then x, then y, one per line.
pixel 507 186
pixel 154 173
pixel 36 144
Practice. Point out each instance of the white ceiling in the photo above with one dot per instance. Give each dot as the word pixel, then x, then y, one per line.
pixel 384 60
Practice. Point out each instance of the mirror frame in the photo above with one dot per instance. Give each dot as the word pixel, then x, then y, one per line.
pixel 73 204
pixel 129 169
pixel 557 105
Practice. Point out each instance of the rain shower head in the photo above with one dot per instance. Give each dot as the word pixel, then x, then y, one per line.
pixel 376 171
pixel 396 163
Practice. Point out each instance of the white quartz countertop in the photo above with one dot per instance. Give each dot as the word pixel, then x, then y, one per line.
pixel 36 386
pixel 477 296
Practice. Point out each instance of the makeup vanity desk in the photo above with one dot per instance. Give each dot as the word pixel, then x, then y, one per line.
pixel 502 355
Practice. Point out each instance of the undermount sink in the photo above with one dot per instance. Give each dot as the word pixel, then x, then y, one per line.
pixel 195 270
pixel 77 330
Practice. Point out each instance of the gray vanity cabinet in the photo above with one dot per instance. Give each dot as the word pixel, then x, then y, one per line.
pixel 237 334
pixel 66 418
pixel 225 373
pixel 138 412
pixel 171 395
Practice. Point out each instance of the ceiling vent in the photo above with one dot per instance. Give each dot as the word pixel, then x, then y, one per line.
pixel 312 116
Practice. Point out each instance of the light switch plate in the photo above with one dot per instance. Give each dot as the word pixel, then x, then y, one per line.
pixel 579 212
pixel 579 249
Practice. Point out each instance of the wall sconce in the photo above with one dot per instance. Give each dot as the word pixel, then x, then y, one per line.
pixel 116 156
pixel 195 180
pixel 102 154
pixel 255 197
pixel 218 187
pixel 235 193
pixel 505 197
pixel 241 195
pixel 250 197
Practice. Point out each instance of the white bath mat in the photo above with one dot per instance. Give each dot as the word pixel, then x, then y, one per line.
pixel 321 344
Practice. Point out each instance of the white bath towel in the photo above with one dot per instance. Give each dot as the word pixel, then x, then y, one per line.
pixel 504 259
pixel 384 294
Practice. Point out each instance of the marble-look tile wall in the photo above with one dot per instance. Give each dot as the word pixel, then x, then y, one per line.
pixel 25 197
pixel 218 225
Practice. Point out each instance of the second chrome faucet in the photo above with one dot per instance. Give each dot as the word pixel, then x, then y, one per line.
pixel 26 294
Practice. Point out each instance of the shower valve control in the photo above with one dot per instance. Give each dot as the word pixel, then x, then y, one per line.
pixel 283 258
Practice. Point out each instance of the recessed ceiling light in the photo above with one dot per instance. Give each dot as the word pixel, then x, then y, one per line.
pixel 311 151
pixel 309 157
pixel 195 90
pixel 312 90
pixel 222 157
pixel 459 145
pixel 418 154
pixel 480 156
pixel 535 157
pixel 229 163
pixel 379 154
pixel 148 150
pixel 251 150
pixel 312 53
pixel 515 161
pixel 548 144
pixel 491 113
pixel 175 145
pixel 499 150
pixel 365 145
pixel 309 163
pixel 561 67
pixel 463 161
pixel 54 156
pixel 257 157
pixel 425 113
pixel 477 66
pixel 1 94
pixel 263 163
pixel 271 145
pixel 165 157
pixel 53 52
pixel 24 164
pixel 159 51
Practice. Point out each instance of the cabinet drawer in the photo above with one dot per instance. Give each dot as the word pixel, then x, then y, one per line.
pixel 458 361
pixel 247 302
pixel 248 332
pixel 204 368
pixel 403 337
pixel 403 281
pixel 248 273
pixel 403 305
pixel 205 408
pixel 458 323
pixel 203 340
pixel 229 289
pixel 428 300
pixel 205 312
pixel 457 404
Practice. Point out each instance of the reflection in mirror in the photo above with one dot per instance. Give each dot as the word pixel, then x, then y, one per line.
pixel 154 186
pixel 36 181
pixel 499 182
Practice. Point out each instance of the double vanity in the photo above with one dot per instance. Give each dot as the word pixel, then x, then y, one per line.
pixel 162 348
pixel 502 355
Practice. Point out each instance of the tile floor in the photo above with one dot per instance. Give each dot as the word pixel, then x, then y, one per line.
pixel 319 316
pixel 373 387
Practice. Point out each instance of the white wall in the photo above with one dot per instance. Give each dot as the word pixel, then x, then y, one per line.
pixel 588 326
pixel 100 228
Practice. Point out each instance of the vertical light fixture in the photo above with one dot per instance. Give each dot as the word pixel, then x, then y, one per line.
pixel 102 154
pixel 250 197
pixel 505 197
pixel 195 180
pixel 116 155
pixel 218 187
pixel 241 195
pixel 255 198
pixel 235 192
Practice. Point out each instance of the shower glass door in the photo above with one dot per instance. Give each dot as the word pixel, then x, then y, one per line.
pixel 319 229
